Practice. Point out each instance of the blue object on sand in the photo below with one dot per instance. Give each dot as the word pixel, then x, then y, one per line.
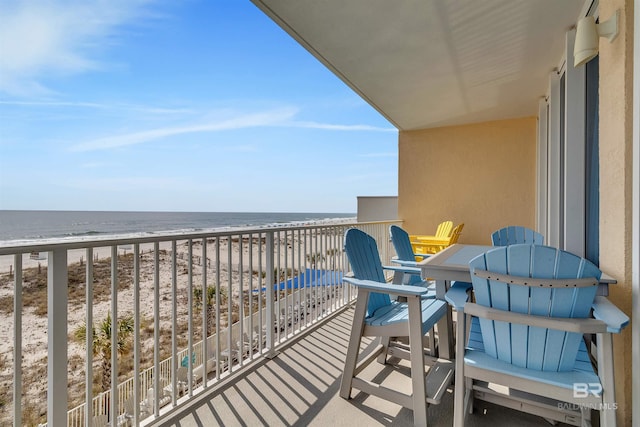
pixel 185 360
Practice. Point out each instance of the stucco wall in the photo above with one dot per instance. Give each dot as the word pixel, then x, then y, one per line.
pixel 377 208
pixel 616 164
pixel 483 175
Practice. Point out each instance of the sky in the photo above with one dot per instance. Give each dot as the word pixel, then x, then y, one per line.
pixel 195 105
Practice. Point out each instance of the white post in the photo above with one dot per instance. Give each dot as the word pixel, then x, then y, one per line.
pixel 136 334
pixel 57 295
pixel 552 234
pixel 635 251
pixel 157 388
pixel 270 281
pixel 89 339
pixel 205 312
pixel 17 346
pixel 113 399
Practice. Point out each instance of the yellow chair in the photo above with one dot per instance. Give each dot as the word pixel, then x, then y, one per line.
pixel 443 230
pixel 433 245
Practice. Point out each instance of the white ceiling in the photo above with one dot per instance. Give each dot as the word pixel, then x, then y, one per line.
pixel 430 63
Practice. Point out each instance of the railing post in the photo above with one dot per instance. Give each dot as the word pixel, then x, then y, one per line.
pixel 88 416
pixel 57 295
pixel 157 389
pixel 113 396
pixel 17 346
pixel 270 281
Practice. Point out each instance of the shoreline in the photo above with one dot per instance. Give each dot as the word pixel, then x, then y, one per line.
pixel 7 262
pixel 102 225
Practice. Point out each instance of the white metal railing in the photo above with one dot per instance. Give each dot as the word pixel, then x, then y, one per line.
pixel 269 284
pixel 75 416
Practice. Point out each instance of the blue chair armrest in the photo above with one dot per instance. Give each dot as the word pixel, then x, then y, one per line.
pixel 405 263
pixel 458 295
pixel 406 270
pixel 387 288
pixel 605 310
pixel 461 285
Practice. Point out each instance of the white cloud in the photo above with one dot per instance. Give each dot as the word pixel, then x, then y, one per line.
pixel 326 126
pixel 240 121
pixel 41 38
pixel 124 109
pixel 222 120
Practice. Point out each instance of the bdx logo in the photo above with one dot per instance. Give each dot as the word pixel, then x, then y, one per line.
pixel 582 390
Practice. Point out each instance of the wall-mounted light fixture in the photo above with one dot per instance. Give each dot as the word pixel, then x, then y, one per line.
pixel 587 37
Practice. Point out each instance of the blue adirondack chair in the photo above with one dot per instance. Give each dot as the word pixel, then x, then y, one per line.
pixel 516 234
pixel 405 255
pixel 377 314
pixel 402 244
pixel 533 305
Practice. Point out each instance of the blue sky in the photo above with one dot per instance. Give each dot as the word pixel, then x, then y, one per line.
pixel 177 106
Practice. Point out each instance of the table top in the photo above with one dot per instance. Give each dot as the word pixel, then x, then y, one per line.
pixel 453 263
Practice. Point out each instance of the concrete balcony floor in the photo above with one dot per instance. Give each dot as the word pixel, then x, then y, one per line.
pixel 300 387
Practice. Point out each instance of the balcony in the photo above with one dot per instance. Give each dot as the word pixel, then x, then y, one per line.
pixel 162 291
pixel 170 288
pixel 300 388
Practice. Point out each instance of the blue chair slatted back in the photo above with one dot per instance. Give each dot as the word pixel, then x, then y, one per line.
pixel 514 235
pixel 404 251
pixel 523 345
pixel 362 252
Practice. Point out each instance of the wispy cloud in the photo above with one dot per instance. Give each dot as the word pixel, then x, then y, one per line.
pixel 220 121
pixel 327 126
pixel 54 104
pixel 241 121
pixel 44 38
pixel 119 107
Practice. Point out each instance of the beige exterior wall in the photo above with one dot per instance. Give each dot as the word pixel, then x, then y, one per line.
pixel 483 175
pixel 616 165
pixel 377 208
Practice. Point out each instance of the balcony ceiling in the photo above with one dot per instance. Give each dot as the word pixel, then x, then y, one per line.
pixel 430 63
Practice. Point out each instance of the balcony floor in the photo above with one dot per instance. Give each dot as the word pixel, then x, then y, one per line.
pixel 300 387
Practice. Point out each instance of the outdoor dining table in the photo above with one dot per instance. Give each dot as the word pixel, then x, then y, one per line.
pixel 452 264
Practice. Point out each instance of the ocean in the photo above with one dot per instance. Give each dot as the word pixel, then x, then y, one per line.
pixel 31 225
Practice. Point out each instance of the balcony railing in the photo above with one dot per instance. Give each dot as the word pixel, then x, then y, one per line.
pixel 247 291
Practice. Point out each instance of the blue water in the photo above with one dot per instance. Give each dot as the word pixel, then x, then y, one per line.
pixel 28 225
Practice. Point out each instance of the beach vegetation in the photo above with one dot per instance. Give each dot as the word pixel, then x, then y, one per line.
pixel 4 389
pixel 209 302
pixel 315 259
pixel 34 284
pixel 282 274
pixel 6 305
pixel 333 254
pixel 102 342
pixel 31 413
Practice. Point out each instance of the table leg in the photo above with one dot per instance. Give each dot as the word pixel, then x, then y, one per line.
pixel 398 278
pixel 445 324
